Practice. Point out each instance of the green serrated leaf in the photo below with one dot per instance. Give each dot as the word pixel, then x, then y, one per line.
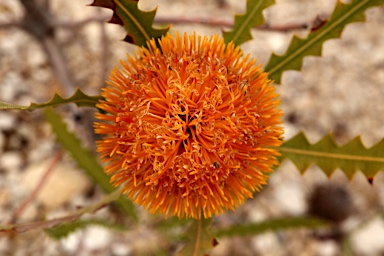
pixel 312 45
pixel 137 23
pixel 161 252
pixel 199 238
pixel 270 225
pixel 79 98
pixel 172 222
pixel 326 154
pixel 244 23
pixel 84 158
pixel 63 230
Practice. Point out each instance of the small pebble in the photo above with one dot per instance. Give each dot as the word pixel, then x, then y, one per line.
pixel 63 183
pixel 97 238
pixel 369 240
pixel 7 120
pixel 11 160
pixel 121 249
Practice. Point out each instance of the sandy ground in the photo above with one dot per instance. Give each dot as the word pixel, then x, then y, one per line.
pixel 340 92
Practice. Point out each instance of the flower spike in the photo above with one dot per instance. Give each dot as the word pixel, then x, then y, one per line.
pixel 190 129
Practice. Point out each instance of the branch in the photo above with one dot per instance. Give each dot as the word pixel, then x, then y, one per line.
pixel 184 20
pixel 80 23
pixel 54 222
pixel 37 21
pixel 38 187
pixel 179 20
pixel 105 53
pixel 225 23
pixel 58 65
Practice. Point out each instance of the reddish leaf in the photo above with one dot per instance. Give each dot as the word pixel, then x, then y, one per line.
pixel 137 23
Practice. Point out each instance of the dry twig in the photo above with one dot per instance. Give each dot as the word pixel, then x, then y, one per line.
pixel 23 227
pixel 37 189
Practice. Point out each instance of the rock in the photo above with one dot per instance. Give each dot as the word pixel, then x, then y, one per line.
pixel 7 120
pixel 331 201
pixel 264 243
pixel 121 249
pixel 290 198
pixel 30 212
pixel 11 160
pixel 71 243
pixel 369 239
pixel 63 183
pixel 97 238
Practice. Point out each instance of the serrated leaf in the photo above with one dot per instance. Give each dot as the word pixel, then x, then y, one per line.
pixel 137 23
pixel 326 154
pixel 171 227
pixel 65 229
pixel 199 238
pixel 84 158
pixel 244 23
pixel 270 225
pixel 172 222
pixel 79 98
pixel 343 15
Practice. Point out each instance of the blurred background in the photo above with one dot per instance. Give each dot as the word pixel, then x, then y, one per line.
pixel 49 46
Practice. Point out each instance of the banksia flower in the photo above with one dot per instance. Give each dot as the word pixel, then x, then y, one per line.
pixel 190 127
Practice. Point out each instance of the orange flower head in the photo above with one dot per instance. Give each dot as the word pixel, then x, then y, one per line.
pixel 190 126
